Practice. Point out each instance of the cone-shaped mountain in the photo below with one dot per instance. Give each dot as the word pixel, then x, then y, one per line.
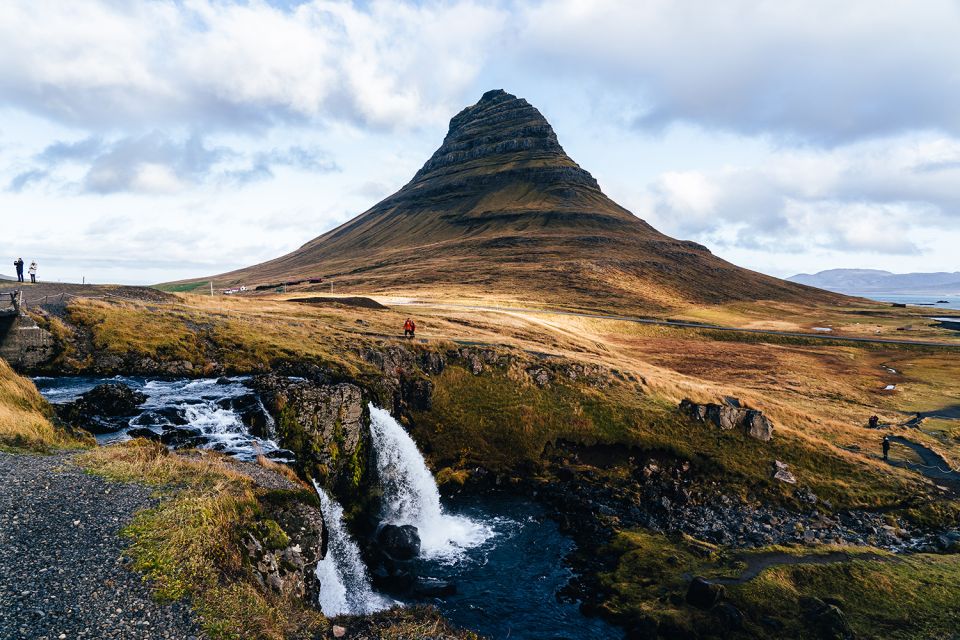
pixel 500 209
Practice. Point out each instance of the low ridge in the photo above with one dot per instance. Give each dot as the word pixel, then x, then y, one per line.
pixel 500 209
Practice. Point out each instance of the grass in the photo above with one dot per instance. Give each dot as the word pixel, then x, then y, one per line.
pixel 189 546
pixel 911 597
pixel 27 420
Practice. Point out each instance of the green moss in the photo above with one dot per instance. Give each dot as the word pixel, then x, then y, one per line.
pixel 269 532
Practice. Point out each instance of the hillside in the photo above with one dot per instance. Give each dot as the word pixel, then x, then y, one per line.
pixel 859 281
pixel 501 209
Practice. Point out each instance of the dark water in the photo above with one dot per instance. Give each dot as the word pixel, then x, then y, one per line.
pixel 507 586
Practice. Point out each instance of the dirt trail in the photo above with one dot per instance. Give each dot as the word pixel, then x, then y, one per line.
pixel 61 570
pixel 932 465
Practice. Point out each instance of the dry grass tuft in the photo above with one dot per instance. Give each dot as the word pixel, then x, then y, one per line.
pixel 26 418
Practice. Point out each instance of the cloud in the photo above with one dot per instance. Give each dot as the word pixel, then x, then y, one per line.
pixel 862 197
pixel 102 64
pixel 157 163
pixel 20 181
pixel 812 70
pixel 262 164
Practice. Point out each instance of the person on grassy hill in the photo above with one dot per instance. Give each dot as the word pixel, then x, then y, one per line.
pixel 33 271
pixel 409 328
pixel 886 447
pixel 18 264
pixel 874 422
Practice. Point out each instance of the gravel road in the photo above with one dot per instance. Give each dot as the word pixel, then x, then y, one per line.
pixel 61 571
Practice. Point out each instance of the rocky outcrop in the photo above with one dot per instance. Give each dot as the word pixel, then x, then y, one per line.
pixel 284 548
pixel 781 472
pixel 324 425
pixel 751 421
pixel 98 410
pixel 703 594
pixel 23 343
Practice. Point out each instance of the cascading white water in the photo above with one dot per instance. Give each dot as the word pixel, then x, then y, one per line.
pixel 344 583
pixel 410 494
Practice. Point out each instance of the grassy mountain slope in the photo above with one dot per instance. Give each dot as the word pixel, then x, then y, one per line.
pixel 500 209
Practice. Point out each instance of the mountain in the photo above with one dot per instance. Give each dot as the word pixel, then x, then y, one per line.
pixel 500 209
pixel 863 281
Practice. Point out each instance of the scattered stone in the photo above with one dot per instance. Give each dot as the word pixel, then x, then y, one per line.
pixel 704 594
pixel 338 631
pixel 781 473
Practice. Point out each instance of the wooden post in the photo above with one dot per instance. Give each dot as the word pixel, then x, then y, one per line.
pixel 211 288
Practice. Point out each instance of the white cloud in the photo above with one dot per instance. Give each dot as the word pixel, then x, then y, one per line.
pixel 872 196
pixel 108 64
pixel 812 69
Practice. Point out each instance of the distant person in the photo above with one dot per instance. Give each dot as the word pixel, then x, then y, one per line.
pixel 18 263
pixel 408 328
pixel 874 422
pixel 886 447
pixel 33 271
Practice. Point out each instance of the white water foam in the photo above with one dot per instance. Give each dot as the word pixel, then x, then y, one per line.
pixel 344 583
pixel 410 494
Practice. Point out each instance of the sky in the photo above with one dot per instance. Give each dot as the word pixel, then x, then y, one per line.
pixel 157 140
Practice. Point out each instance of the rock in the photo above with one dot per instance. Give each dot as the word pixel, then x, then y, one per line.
pixel 781 473
pixel 435 589
pixel 728 616
pixel 827 620
pixel 97 410
pixel 325 425
pixel 338 631
pixel 284 548
pixel 143 432
pixel 703 594
pixel 399 542
pixel 751 421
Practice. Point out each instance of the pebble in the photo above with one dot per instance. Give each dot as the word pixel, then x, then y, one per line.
pixel 69 582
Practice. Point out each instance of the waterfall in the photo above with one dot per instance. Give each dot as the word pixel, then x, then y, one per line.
pixel 410 494
pixel 344 583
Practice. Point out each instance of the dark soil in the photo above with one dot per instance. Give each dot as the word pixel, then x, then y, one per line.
pixel 351 301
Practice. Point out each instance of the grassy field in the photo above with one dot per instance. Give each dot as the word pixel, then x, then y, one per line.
pixel 882 596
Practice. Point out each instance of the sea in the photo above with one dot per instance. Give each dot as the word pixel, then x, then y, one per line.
pixel 929 302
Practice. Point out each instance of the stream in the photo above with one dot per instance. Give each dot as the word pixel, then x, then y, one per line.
pixel 504 554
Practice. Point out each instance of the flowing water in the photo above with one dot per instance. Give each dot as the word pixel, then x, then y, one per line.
pixel 410 494
pixel 505 556
pixel 205 413
pixel 344 582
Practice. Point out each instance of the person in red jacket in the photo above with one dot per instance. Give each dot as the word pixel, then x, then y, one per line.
pixel 409 328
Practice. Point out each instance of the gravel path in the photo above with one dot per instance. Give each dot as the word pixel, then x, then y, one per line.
pixel 61 574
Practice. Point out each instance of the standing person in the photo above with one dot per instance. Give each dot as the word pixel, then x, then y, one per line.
pixel 18 263
pixel 413 329
pixel 408 328
pixel 886 447
pixel 33 271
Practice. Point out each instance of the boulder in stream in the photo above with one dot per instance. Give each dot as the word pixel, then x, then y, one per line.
pixel 399 542
pixel 97 410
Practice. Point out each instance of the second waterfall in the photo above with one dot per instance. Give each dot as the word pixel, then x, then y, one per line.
pixel 410 494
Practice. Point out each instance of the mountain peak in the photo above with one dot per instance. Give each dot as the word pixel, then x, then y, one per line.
pixel 501 132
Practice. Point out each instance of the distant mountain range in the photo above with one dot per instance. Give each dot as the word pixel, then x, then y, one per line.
pixel 500 209
pixel 864 281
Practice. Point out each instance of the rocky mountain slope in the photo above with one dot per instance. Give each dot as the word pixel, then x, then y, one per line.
pixel 501 209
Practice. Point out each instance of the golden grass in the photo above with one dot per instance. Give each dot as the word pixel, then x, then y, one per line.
pixel 26 419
